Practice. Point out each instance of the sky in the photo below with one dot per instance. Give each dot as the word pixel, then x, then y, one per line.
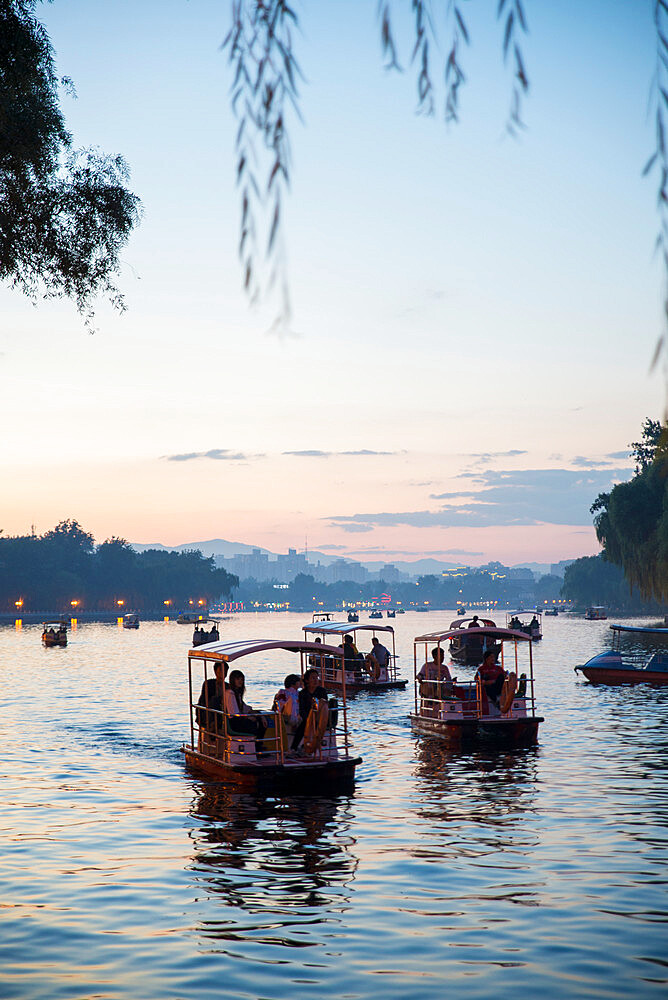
pixel 474 316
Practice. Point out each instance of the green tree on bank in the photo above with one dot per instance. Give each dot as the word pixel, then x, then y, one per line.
pixel 632 519
pixel 48 572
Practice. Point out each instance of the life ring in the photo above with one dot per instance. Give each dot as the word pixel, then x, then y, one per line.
pixel 508 692
pixel 316 725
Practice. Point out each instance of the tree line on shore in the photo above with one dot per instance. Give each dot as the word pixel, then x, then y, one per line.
pixel 64 565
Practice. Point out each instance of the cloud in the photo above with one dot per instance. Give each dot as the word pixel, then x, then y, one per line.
pixel 217 454
pixel 590 463
pixel 384 550
pixel 314 453
pixel 505 498
pixel 619 454
pixel 330 548
pixel 485 457
pixel 352 527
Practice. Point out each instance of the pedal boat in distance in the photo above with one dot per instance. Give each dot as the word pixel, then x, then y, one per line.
pixel 54 634
pixel 460 711
pixel 637 667
pixel 221 751
pixel 355 677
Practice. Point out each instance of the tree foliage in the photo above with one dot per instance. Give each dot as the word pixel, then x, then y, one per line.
pixel 65 214
pixel 594 580
pixel 47 572
pixel 631 520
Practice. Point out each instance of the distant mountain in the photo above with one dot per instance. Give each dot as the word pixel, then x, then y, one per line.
pixel 214 547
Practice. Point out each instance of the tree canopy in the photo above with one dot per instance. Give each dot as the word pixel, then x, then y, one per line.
pixel 65 214
pixel 632 519
pixel 48 572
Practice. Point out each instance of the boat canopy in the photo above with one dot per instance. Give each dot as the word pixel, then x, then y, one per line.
pixel 228 651
pixel 501 634
pixel 343 628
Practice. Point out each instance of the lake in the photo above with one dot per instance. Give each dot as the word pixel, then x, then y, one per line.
pixel 486 874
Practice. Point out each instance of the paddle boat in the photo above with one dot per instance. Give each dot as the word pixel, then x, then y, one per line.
pixel 631 666
pixel 376 614
pixel 360 673
pixel 458 711
pixel 530 622
pixel 461 612
pixel 596 614
pixel 54 634
pixel 221 746
pixel 130 621
pixel 353 616
pixel 551 612
pixel 467 644
pixel 201 635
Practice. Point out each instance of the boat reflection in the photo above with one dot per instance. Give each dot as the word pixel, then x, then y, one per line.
pixel 271 856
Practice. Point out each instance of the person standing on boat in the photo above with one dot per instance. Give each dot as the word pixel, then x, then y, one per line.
pixel 311 695
pixel 492 675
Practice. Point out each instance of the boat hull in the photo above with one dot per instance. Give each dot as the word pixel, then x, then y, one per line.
pixel 514 731
pixel 48 641
pixel 619 677
pixel 312 774
pixel 352 687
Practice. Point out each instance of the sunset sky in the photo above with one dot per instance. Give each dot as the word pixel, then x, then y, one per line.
pixel 474 316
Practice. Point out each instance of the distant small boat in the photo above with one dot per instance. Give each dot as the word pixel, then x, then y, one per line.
pixel 130 621
pixel 595 614
pixel 391 614
pixel 551 612
pixel 376 614
pixel 401 611
pixel 461 612
pixel 201 636
pixel 190 618
pixel 54 634
pixel 353 617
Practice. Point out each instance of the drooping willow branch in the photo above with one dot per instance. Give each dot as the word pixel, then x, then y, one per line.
pixel 264 86
pixel 658 161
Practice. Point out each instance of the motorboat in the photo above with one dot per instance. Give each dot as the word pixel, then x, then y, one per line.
pixel 637 666
pixel 530 622
pixel 221 748
pixel 54 634
pixel 459 711
pixel 361 672
pixel 202 635
pixel 596 614
pixel 130 621
pixel 468 643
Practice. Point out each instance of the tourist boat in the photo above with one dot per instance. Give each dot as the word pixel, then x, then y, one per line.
pixel 595 614
pixel 324 616
pixel 201 635
pixel 219 749
pixel 530 622
pixel 54 634
pixel 376 614
pixel 460 711
pixel 468 643
pixel 357 675
pixel 130 621
pixel 632 667
pixel 353 616
pixel 190 618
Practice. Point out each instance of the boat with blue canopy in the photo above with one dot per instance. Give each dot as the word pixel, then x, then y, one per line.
pixel 630 662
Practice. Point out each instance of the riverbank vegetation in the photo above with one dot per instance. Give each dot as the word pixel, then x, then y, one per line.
pixel 64 570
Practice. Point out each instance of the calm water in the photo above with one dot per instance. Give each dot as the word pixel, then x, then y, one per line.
pixel 482 873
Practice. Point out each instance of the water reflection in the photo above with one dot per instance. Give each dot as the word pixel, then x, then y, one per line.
pixel 282 857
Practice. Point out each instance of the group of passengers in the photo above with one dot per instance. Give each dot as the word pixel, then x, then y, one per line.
pixel 519 626
pixel 294 702
pixel 372 666
pixel 437 684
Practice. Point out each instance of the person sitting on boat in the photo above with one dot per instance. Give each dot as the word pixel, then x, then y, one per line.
pixel 434 676
pixel 212 697
pixel 246 720
pixel 286 701
pixel 315 659
pixel 353 659
pixel 474 623
pixel 492 675
pixel 534 624
pixel 312 695
pixel 378 660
